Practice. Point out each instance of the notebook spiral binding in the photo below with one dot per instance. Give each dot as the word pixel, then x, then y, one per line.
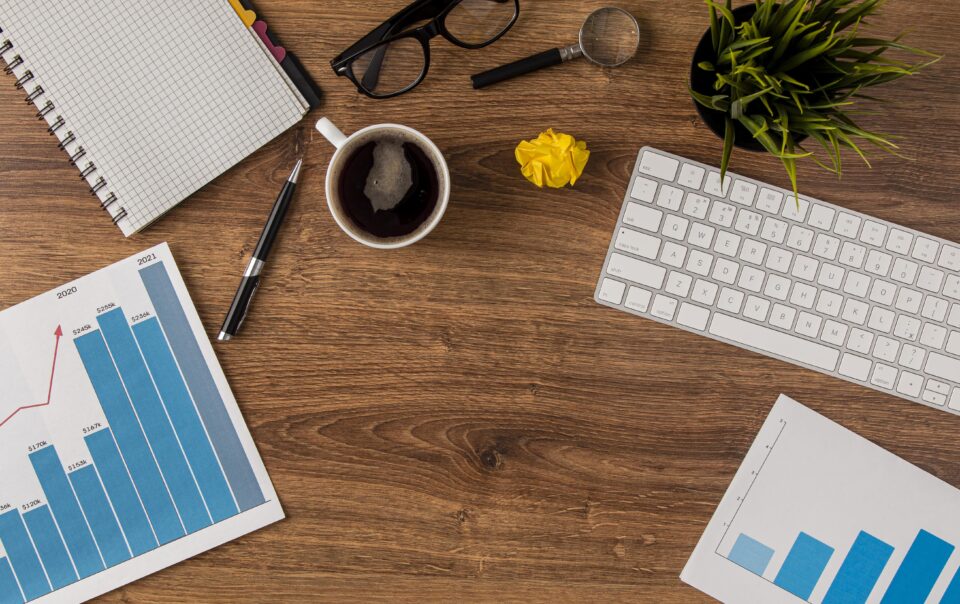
pixel 68 142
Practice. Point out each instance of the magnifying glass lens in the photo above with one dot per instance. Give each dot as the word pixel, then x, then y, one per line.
pixel 610 37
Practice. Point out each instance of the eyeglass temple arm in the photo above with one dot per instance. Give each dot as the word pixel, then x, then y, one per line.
pixel 385 29
pixel 371 76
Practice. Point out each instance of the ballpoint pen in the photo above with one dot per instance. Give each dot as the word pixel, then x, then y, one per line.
pixel 251 277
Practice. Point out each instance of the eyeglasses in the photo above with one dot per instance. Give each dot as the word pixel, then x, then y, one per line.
pixel 392 60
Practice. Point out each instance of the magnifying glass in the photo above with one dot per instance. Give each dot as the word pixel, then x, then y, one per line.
pixel 609 37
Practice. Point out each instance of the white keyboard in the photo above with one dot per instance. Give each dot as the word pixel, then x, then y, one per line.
pixel 826 288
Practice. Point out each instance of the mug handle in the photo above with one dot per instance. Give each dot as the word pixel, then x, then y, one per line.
pixel 331 132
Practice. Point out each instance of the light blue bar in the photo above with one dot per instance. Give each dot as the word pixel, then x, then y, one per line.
pixel 952 596
pixel 132 443
pixel 185 420
pixel 26 564
pixel 9 590
pixel 153 418
pixel 66 509
pixel 803 566
pixel 860 571
pixel 120 489
pixel 212 409
pixel 750 554
pixel 919 571
pixel 100 516
pixel 50 546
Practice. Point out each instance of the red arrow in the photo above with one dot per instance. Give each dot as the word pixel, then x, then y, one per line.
pixel 56 347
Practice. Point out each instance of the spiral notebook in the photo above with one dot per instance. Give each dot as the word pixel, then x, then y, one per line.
pixel 150 100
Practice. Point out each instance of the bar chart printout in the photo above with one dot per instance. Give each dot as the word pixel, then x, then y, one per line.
pixel 121 446
pixel 818 514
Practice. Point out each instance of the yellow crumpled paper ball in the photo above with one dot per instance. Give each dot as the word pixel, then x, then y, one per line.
pixel 553 159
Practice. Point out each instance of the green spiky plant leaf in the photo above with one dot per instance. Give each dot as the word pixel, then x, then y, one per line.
pixel 794 71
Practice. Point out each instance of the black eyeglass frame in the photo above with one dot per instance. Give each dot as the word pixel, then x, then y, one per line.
pixel 380 37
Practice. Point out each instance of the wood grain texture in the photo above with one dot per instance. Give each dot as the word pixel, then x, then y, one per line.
pixel 459 420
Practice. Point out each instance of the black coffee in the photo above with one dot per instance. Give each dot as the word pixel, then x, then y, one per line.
pixel 389 187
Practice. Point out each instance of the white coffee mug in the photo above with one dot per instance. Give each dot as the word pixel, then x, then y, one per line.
pixel 346 146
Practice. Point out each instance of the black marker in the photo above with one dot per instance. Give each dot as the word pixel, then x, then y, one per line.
pixel 251 278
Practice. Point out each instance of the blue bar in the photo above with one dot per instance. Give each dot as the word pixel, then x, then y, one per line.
pixel 26 564
pixel 66 509
pixel 185 420
pixel 153 418
pixel 919 570
pixel 803 566
pixel 186 349
pixel 860 571
pixel 952 596
pixel 750 554
pixel 100 516
pixel 126 428
pixel 9 590
pixel 123 496
pixel 50 546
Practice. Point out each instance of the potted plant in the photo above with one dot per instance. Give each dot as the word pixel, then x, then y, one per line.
pixel 785 75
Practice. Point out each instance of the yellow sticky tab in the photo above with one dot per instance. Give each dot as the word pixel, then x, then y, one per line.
pixel 552 159
pixel 247 16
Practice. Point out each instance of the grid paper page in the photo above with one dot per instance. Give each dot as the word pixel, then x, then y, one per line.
pixel 163 99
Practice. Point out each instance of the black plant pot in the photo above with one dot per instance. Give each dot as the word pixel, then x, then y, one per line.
pixel 702 81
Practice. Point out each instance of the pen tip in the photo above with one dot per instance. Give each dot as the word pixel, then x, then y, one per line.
pixel 296 171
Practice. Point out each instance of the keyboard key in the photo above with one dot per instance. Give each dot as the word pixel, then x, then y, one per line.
pixel 954 319
pixel 805 268
pixel 636 271
pixel 852 254
pixel 693 317
pixel 751 279
pixel 952 288
pixel 782 316
pixel 612 291
pixel 855 311
pixel 696 206
pixel 955 400
pixel 730 300
pixel 935 309
pixel 664 307
pixel 774 342
pixel 679 284
pixel 797 212
pixel 803 295
pixel 644 189
pixel 834 333
pixel 878 263
pixel 673 255
pixel 821 217
pixel 756 309
pixel 907 328
pixel 883 292
pixel 743 192
pixel 829 303
pixel 848 225
pixel 934 399
pixel 777 288
pixel 925 249
pixel 809 325
pixel 643 217
pixel 769 201
pixel 727 244
pixel 938 387
pixel 691 176
pixel 705 292
pixel 912 357
pixel 873 233
pixel 831 276
pixel 675 227
pixel 713 185
pixel 860 341
pixel 931 279
pixel 899 242
pixel 774 230
pixel 638 299
pixel 950 258
pixel 826 247
pixel 857 284
pixel 753 252
pixel 699 263
pixel 910 384
pixel 905 271
pixel 726 271
pixel 723 214
pixel 748 222
pixel 779 260
pixel 881 320
pixel 659 166
pixel 670 198
pixel 638 244
pixel 854 367
pixel 953 345
pixel 701 235
pixel 800 239
pixel 909 301
pixel 933 336
pixel 884 376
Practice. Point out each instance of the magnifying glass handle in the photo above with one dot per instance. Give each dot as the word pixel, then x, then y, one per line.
pixel 554 56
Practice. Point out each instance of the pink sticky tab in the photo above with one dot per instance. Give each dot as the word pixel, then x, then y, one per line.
pixel 279 52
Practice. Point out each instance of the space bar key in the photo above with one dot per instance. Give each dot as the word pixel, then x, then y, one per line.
pixel 774 342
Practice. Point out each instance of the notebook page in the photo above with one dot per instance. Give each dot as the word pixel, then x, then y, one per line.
pixel 163 100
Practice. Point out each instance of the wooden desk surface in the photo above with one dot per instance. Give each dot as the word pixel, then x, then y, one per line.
pixel 459 420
